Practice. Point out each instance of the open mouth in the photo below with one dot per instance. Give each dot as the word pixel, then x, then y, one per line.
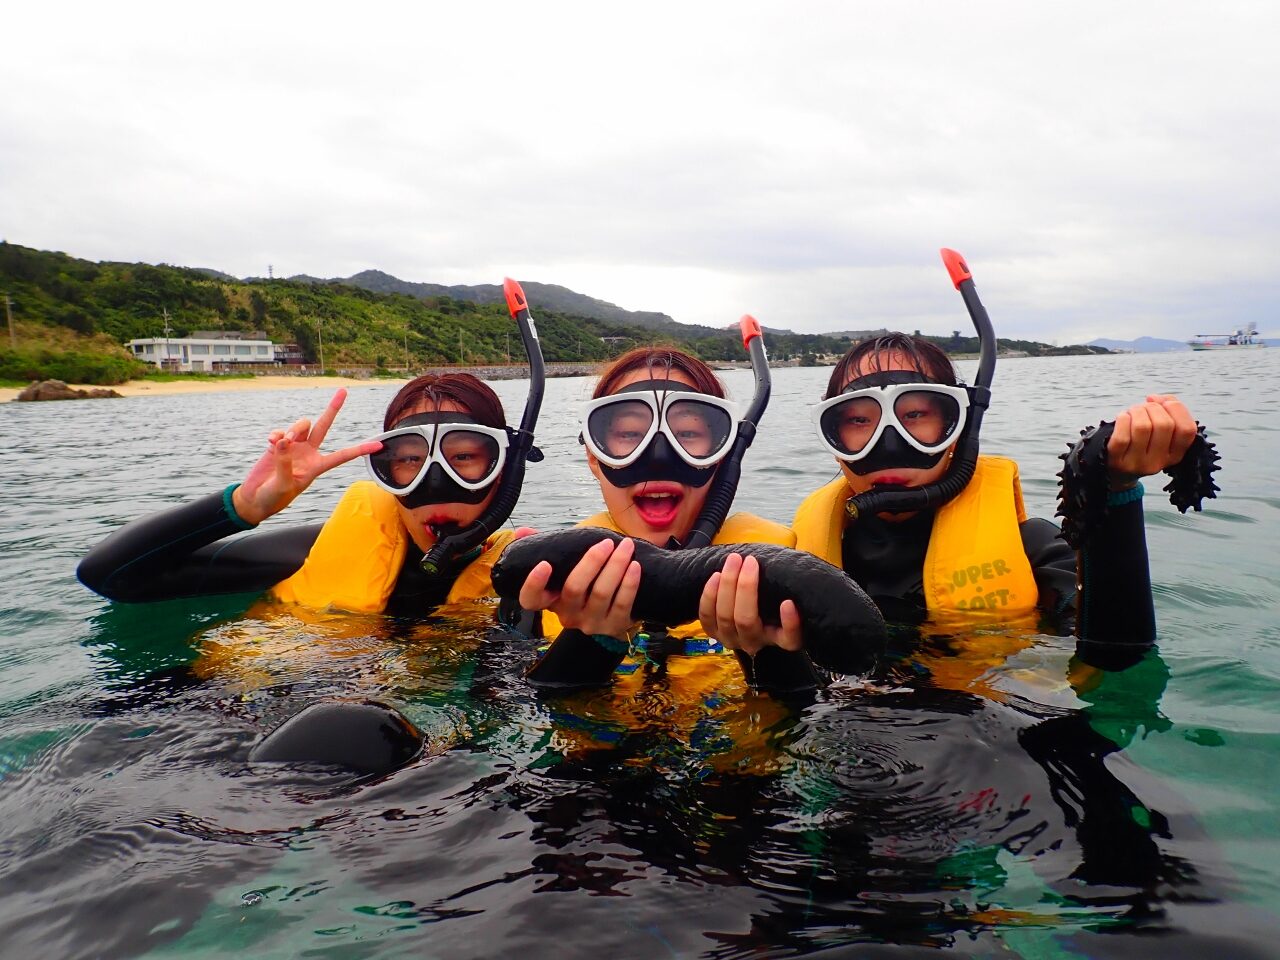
pixel 658 508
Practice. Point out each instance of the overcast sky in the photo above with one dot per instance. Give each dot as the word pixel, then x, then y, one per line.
pixel 1108 169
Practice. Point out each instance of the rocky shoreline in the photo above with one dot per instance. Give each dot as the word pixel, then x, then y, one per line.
pixel 57 390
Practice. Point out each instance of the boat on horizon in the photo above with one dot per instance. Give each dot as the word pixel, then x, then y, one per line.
pixel 1245 337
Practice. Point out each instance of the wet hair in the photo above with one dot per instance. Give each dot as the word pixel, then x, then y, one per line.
pixel 660 362
pixel 469 392
pixel 925 356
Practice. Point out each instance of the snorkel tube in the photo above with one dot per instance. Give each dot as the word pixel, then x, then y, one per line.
pixel 445 554
pixel 725 485
pixel 966 452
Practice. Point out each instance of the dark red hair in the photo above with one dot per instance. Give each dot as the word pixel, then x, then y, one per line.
pixel 469 392
pixel 660 362
pixel 924 355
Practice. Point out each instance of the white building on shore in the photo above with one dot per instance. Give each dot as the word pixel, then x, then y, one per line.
pixel 203 349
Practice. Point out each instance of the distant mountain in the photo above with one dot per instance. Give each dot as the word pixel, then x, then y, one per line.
pixel 542 296
pixel 1141 345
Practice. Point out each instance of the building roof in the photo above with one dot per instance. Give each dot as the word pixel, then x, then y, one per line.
pixel 227 335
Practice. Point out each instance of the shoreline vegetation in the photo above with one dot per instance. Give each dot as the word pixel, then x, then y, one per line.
pixel 68 319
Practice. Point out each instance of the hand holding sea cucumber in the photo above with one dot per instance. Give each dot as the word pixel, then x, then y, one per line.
pixel 1148 438
pixel 598 593
pixel 730 610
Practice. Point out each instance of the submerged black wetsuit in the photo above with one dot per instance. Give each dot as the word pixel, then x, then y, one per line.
pixel 179 553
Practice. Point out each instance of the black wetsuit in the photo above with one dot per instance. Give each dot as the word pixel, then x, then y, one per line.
pixel 180 552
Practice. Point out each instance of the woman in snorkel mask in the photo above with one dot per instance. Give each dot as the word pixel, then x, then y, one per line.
pixel 931 529
pixel 656 432
pixel 446 474
pixel 436 471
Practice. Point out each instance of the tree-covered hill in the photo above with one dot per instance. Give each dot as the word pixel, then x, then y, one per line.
pixel 550 297
pixel 65 307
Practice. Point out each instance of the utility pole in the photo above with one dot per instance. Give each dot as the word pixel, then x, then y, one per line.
pixel 462 357
pixel 168 347
pixel 8 312
pixel 320 334
pixel 508 348
pixel 406 350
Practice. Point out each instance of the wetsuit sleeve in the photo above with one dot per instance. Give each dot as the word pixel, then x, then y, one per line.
pixel 1116 617
pixel 576 659
pixel 1053 564
pixel 178 553
pixel 1112 611
pixel 777 671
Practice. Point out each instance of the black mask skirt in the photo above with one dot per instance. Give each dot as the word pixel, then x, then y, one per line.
pixel 437 486
pixel 660 461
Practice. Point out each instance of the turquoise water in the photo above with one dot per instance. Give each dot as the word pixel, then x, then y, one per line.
pixel 890 817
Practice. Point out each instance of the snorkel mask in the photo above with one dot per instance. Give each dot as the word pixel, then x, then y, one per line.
pixel 448 457
pixel 894 418
pixel 442 457
pixel 680 435
pixel 968 425
pixel 659 430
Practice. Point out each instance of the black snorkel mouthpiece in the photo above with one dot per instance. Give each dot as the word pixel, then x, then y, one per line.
pixel 447 552
pixel 725 485
pixel 965 459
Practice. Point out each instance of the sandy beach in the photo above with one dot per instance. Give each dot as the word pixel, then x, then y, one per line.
pixel 147 388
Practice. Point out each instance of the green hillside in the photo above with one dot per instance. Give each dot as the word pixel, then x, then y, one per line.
pixel 72 316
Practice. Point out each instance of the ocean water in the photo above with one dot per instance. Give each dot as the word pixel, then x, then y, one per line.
pixel 1004 812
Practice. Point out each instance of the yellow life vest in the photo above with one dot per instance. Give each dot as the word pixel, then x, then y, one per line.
pixel 739 528
pixel 975 564
pixel 357 558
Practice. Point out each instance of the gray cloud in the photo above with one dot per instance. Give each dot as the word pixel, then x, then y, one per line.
pixel 1107 171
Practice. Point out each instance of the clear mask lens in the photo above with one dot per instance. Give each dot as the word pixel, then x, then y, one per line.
pixel 700 429
pixel 621 428
pixel 468 455
pixel 472 456
pixel 929 417
pixel 400 460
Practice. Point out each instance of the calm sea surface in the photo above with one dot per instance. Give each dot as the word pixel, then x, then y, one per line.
pixel 1007 814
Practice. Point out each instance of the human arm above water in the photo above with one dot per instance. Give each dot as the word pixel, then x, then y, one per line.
pixel 178 553
pixel 1115 612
